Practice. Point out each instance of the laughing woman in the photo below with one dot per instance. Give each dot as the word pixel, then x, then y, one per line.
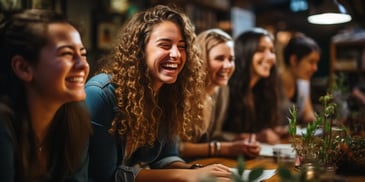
pixel 44 128
pixel 149 94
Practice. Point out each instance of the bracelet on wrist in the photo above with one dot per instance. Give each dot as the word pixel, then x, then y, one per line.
pixel 195 166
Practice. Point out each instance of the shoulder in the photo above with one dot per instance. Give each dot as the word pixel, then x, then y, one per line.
pixel 101 80
pixel 6 116
pixel 99 85
pixel 6 128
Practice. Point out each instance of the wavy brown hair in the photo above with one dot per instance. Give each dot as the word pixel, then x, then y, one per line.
pixel 177 109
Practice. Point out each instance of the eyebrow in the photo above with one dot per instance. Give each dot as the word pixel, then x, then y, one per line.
pixel 70 47
pixel 169 40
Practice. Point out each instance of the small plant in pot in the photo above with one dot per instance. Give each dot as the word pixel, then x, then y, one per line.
pixel 323 150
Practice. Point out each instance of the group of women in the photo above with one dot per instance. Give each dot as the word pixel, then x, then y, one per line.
pixel 161 96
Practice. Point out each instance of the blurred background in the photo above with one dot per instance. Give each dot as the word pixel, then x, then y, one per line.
pixel 342 44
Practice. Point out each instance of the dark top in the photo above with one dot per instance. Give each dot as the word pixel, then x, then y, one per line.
pixel 8 157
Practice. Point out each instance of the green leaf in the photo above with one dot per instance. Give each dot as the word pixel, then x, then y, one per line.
pixel 240 165
pixel 255 173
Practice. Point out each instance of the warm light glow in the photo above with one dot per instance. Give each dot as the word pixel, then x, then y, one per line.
pixel 329 18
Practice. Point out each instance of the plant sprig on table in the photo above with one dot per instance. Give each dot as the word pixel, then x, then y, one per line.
pixel 325 148
pixel 253 175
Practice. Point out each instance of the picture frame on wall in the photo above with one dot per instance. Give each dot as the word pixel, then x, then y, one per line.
pixel 56 5
pixel 106 33
pixel 7 5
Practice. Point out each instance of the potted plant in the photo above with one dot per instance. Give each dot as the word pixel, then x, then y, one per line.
pixel 324 150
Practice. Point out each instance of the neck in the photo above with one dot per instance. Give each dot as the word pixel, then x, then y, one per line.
pixel 41 115
pixel 211 89
pixel 253 81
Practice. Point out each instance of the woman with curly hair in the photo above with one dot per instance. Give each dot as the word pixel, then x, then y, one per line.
pixel 149 94
pixel 44 126
pixel 218 53
pixel 254 89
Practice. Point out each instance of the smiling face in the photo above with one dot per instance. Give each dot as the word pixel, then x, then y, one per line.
pixel 165 53
pixel 263 59
pixel 62 69
pixel 307 66
pixel 221 63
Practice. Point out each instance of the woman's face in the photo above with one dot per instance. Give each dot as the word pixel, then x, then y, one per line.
pixel 62 69
pixel 165 53
pixel 221 63
pixel 307 66
pixel 263 59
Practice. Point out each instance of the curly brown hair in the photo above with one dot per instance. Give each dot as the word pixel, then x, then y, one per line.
pixel 177 109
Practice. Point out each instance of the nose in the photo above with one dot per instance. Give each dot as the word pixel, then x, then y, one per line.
pixel 315 67
pixel 270 56
pixel 174 52
pixel 228 64
pixel 81 62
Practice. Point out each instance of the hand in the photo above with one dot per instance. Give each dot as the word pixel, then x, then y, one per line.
pixel 241 147
pixel 218 171
pixel 269 136
pixel 242 136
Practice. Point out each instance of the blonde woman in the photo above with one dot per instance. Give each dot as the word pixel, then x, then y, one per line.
pixel 218 53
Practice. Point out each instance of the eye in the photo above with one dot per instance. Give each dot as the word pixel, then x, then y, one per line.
pixel 84 53
pixel 231 59
pixel 260 49
pixel 66 53
pixel 165 45
pixel 219 58
pixel 182 47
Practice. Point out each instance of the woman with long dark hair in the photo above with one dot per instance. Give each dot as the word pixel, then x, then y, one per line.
pixel 44 126
pixel 254 88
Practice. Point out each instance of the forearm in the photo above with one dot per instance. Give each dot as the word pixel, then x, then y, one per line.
pixel 194 149
pixel 178 165
pixel 162 175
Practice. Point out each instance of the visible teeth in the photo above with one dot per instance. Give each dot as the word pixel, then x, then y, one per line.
pixel 170 65
pixel 76 79
pixel 222 74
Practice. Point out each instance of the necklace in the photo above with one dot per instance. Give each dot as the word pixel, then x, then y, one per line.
pixel 40 148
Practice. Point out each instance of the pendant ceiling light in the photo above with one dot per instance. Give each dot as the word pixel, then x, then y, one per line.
pixel 328 12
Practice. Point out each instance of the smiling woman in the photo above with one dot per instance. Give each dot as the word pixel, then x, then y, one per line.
pixel 44 126
pixel 255 89
pixel 149 93
pixel 301 56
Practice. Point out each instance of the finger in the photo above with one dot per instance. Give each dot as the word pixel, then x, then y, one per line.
pixel 221 179
pixel 222 174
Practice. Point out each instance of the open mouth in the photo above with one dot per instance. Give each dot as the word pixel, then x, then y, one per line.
pixel 170 66
pixel 222 75
pixel 75 79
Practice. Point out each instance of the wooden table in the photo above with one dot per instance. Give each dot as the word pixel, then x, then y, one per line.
pixel 266 162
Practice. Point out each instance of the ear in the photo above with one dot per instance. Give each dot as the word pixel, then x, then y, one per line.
pixel 22 68
pixel 293 60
